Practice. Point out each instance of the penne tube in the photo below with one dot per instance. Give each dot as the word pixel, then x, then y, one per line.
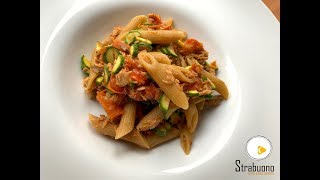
pixel 186 140
pixel 90 85
pixel 192 117
pixel 107 41
pixel 172 109
pixel 151 120
pixel 154 140
pixel 215 101
pixel 220 85
pixel 93 55
pixel 198 100
pixel 160 57
pixel 109 129
pixel 181 73
pixel 168 22
pixel 165 80
pixel 99 125
pixel 90 93
pixel 98 63
pixel 163 36
pixel 92 75
pixel 200 105
pixel 134 23
pixel 127 120
pixel 137 138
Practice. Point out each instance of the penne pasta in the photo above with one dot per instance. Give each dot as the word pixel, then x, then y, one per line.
pixel 151 120
pixel 214 101
pixel 200 106
pixel 197 100
pixel 90 85
pixel 97 62
pixel 92 75
pixel 151 81
pixel 192 117
pixel 99 125
pixel 137 138
pixel 168 22
pixel 160 57
pixel 93 55
pixel 220 85
pixel 107 41
pixel 172 109
pixel 154 140
pixel 127 120
pixel 164 79
pixel 109 129
pixel 186 140
pixel 181 73
pixel 163 36
pixel 90 94
pixel 134 23
pixel 115 32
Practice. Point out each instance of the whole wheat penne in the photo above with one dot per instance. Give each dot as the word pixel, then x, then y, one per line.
pixel 137 138
pixel 154 140
pixel 92 74
pixel 99 125
pixel 133 23
pixel 172 109
pixel 165 80
pixel 146 62
pixel 127 120
pixel 220 85
pixel 186 140
pixel 90 94
pixel 93 55
pixel 107 41
pixel 160 57
pixel 109 129
pixel 163 36
pixel 197 100
pixel 192 117
pixel 181 73
pixel 200 106
pixel 115 32
pixel 97 62
pixel 151 120
pixel 216 100
pixel 168 22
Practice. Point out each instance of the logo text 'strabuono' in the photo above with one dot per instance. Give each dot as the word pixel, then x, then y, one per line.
pixel 252 168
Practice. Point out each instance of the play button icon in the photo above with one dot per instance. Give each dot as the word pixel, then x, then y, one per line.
pixel 261 149
pixel 258 147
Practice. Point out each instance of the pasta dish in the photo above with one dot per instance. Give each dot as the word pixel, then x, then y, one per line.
pixel 152 81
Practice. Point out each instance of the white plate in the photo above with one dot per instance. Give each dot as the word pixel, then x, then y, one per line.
pixel 242 36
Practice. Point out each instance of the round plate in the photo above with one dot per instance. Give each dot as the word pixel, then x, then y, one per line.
pixel 248 60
